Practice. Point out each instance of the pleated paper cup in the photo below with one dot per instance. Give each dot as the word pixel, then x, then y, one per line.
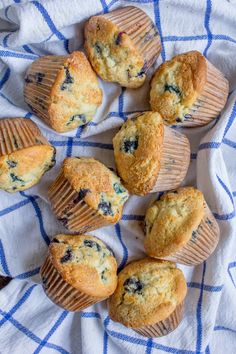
pixel 142 31
pixel 19 133
pixel 39 80
pixel 174 161
pixel 211 101
pixel 164 327
pixel 74 213
pixel 62 293
pixel 202 243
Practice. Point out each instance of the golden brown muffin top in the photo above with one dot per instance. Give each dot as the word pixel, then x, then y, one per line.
pixel 138 151
pixel 176 85
pixel 84 262
pixel 148 291
pixel 100 188
pixel 112 53
pixel 171 221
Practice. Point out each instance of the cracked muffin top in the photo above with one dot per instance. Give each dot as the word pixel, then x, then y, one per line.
pixel 176 85
pixel 112 53
pixel 84 262
pixel 171 221
pixel 97 185
pixel 148 291
pixel 138 151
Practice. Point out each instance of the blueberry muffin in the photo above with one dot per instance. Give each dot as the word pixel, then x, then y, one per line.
pixel 78 271
pixel 188 90
pixel 122 45
pixel 149 297
pixel 87 195
pixel 25 155
pixel 62 90
pixel 149 156
pixel 180 227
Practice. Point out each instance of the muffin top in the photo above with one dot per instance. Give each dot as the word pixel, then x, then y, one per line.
pixel 148 291
pixel 112 53
pixel 138 150
pixel 171 221
pixel 176 85
pixel 98 186
pixel 84 262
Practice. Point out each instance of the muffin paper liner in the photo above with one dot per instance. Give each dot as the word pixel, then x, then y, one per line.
pixel 140 29
pixel 19 133
pixel 62 293
pixel 211 101
pixel 39 80
pixel 174 161
pixel 164 327
pixel 75 214
pixel 202 243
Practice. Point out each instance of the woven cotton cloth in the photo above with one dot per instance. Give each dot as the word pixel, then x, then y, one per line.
pixel 29 321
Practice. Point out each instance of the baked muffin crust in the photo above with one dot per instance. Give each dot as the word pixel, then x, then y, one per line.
pixel 177 84
pixel 171 221
pixel 85 263
pixel 138 151
pixel 148 291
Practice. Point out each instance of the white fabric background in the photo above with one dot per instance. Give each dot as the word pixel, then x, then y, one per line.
pixel 29 322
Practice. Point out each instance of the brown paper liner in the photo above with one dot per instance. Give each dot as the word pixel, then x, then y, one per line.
pixel 164 327
pixel 140 29
pixel 174 161
pixel 211 101
pixel 62 293
pixel 17 134
pixel 75 215
pixel 37 94
pixel 202 244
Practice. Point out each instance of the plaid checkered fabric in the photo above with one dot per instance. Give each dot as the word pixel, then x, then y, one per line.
pixel 29 322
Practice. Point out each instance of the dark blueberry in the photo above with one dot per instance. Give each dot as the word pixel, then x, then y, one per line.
pixel 103 274
pixel 133 285
pixel 98 49
pixel 28 80
pixel 32 108
pixel 119 38
pixel 173 89
pixel 118 188
pixel 68 80
pixel 187 116
pixel 11 163
pixel 15 142
pixel 106 208
pixel 209 222
pixel 92 244
pixel 81 195
pixel 67 256
pixel 130 145
pixel 64 221
pixel 40 102
pixel 80 117
pixel 178 120
pixel 194 234
pixel 15 178
pixel 39 77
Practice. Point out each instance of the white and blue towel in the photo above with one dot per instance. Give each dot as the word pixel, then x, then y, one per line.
pixel 29 322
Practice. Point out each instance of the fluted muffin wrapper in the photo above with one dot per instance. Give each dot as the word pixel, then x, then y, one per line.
pixel 62 293
pixel 164 327
pixel 19 133
pixel 175 161
pixel 75 215
pixel 37 94
pixel 211 101
pixel 142 31
pixel 202 243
